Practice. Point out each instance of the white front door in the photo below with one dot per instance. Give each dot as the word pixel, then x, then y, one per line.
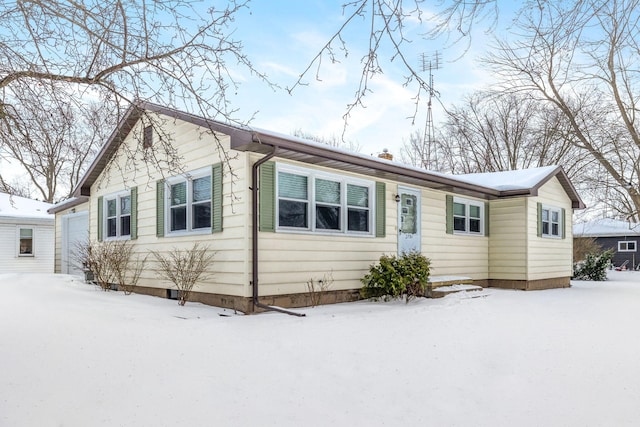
pixel 408 220
pixel 75 232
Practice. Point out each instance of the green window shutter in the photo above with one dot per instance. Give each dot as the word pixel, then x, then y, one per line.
pixel 134 213
pixel 267 202
pixel 160 208
pixel 216 198
pixel 381 209
pixel 486 219
pixel 100 218
pixel 539 219
pixel 564 222
pixel 449 213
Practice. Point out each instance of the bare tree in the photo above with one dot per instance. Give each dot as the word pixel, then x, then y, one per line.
pixel 15 188
pixel 412 151
pixel 53 140
pixel 332 141
pixel 385 24
pixel 173 52
pixel 496 131
pixel 580 59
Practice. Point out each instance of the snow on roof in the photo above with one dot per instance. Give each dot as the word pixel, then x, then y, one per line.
pixel 606 227
pixel 523 179
pixel 508 180
pixel 21 207
pixel 66 204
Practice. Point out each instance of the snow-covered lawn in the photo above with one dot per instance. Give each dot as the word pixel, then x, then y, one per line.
pixel 72 355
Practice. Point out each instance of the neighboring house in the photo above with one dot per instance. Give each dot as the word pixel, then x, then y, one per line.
pixel 293 210
pixel 620 236
pixel 72 232
pixel 26 235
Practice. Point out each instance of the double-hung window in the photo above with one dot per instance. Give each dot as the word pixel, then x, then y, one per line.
pixel 627 246
pixel 117 215
pixel 189 202
pixel 551 222
pixel 468 216
pixel 309 200
pixel 25 242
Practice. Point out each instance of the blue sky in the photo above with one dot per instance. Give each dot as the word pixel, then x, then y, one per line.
pixel 281 37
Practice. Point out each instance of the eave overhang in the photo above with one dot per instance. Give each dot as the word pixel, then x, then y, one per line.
pixel 329 157
pixel 263 142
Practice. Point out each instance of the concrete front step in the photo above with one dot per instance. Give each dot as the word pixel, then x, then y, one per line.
pixel 443 291
pixel 444 285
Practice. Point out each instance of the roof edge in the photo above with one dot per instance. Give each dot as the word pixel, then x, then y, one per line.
pixel 262 138
pixel 245 139
pixel 67 204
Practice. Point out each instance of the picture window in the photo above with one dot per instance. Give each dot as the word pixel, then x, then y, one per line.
pixel 317 202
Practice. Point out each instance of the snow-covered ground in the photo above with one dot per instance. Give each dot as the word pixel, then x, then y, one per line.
pixel 72 355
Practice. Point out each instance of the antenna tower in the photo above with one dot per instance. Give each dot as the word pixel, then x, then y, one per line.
pixel 429 151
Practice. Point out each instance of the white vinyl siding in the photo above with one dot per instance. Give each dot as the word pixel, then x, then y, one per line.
pixel 195 146
pixel 451 253
pixel 288 259
pixel 41 260
pixel 508 241
pixel 549 257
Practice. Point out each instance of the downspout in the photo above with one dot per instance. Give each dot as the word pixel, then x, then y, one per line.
pixel 254 237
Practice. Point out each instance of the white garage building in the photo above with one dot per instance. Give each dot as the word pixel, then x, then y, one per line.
pixel 26 235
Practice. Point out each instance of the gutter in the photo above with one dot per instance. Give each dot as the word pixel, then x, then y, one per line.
pixel 254 237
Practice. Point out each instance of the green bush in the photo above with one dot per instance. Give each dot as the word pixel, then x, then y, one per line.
pixel 594 266
pixel 394 277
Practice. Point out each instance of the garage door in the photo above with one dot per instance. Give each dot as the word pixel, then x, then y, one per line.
pixel 75 233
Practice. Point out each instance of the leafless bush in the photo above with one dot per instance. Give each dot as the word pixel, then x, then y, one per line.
pixel 583 246
pixel 317 288
pixel 110 263
pixel 99 261
pixel 126 270
pixel 80 256
pixel 184 268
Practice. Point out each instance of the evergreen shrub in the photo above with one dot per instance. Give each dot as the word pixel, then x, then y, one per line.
pixel 394 277
pixel 594 267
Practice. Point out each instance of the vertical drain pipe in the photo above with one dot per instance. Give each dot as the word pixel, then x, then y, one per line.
pixel 254 237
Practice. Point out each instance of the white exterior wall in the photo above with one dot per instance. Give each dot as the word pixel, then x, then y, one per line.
pixel 288 260
pixel 451 254
pixel 508 239
pixel 42 260
pixel 197 149
pixel 549 257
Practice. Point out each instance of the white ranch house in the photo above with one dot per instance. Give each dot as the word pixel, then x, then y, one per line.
pixel 293 210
